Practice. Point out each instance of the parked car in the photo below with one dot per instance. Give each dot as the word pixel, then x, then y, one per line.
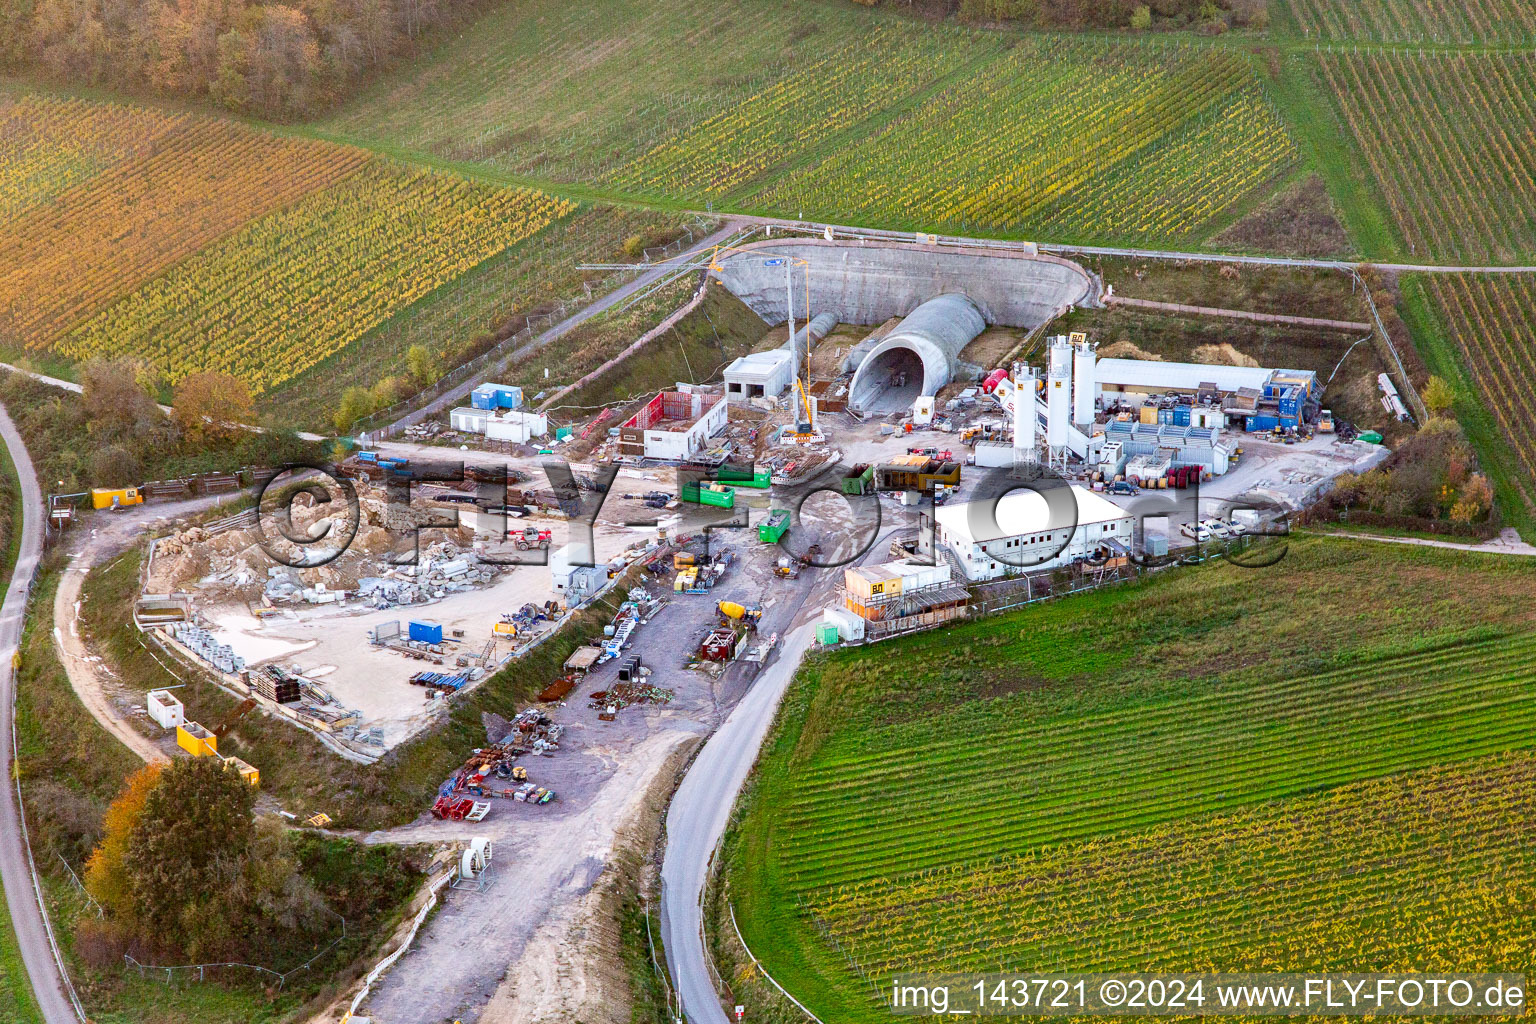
pixel 1196 531
pixel 1237 528
pixel 1217 528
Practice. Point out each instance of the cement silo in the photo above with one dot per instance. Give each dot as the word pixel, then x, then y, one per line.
pixel 1058 391
pixel 1024 414
pixel 1084 358
pixel 918 357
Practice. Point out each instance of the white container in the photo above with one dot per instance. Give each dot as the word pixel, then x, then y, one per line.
pixel 165 709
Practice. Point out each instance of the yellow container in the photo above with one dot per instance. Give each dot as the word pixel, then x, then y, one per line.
pixel 197 741
pixel 682 558
pixel 105 497
pixel 247 771
pixel 865 583
pixel 1149 414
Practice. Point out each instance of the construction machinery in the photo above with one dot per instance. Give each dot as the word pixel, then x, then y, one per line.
pixel 532 537
pixel 733 614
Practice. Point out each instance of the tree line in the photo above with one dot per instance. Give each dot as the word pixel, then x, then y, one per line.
pixel 274 59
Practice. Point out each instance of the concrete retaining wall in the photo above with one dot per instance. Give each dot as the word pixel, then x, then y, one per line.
pixel 871 282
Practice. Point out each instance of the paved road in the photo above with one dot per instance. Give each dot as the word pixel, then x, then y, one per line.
pixel 844 231
pixel 15 865
pixel 696 820
pixel 704 800
pixel 661 269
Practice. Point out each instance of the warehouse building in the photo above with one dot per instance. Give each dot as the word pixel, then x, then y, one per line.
pixel 673 425
pixel 1019 530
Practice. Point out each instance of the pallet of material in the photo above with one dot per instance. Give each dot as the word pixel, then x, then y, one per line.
pixel 439 680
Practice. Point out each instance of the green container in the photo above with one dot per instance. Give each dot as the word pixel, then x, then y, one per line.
pixel 760 480
pixel 561 433
pixel 774 527
pixel 860 483
pixel 702 495
pixel 826 634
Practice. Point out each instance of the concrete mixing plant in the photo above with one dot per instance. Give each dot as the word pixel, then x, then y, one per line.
pixel 1058 394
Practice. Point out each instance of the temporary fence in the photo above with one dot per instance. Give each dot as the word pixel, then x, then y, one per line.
pixel 199 972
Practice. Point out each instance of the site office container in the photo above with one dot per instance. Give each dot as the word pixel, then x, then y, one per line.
pixel 1181 415
pixel 105 497
pixel 870 583
pixel 425 632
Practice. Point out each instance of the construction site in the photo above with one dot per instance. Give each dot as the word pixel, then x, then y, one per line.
pixel 840 480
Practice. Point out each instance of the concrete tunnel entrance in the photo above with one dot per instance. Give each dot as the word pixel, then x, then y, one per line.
pixel 917 358
pixel 893 381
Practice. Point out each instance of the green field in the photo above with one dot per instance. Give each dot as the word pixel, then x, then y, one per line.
pixel 846 116
pixel 1079 140
pixel 909 816
pixel 1445 136
pixel 572 92
pixel 1479 333
pixel 1511 22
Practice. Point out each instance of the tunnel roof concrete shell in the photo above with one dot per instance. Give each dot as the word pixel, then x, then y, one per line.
pixel 936 332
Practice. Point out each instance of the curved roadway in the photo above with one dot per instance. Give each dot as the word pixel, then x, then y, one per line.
pixel 15 866
pixel 696 821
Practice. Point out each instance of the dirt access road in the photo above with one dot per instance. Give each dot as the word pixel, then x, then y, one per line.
pixel 519 952
pixel 101 537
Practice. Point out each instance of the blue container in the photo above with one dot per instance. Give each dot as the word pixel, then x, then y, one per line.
pixel 425 632
pixel 508 397
pixel 483 397
pixel 1290 401
pixel 1287 420
pixel 1265 422
pixel 1181 415
pixel 1165 417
